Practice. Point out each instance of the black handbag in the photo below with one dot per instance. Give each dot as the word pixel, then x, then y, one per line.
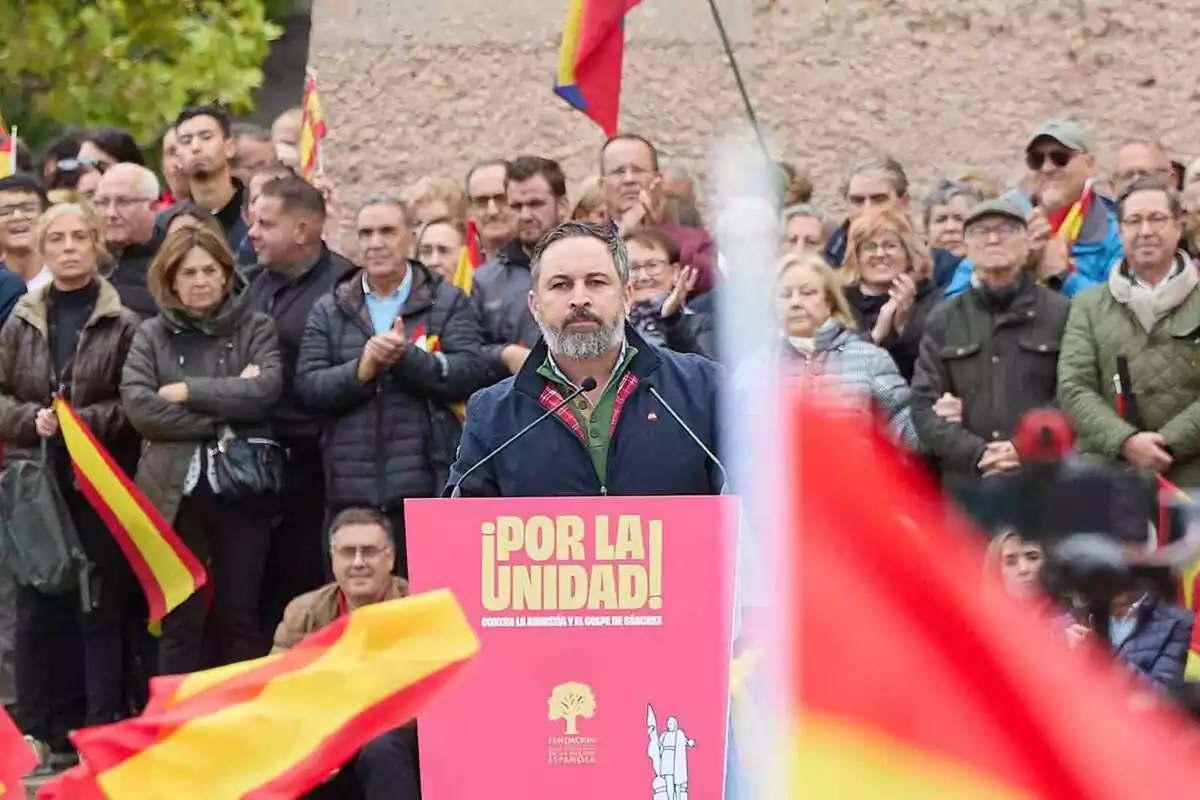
pixel 248 467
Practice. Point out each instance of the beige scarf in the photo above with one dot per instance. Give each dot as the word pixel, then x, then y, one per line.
pixel 1151 305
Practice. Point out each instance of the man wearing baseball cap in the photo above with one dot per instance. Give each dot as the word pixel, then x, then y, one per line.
pixel 1073 230
pixel 989 355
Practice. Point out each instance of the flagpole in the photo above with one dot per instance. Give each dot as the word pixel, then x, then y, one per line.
pixel 12 156
pixel 737 76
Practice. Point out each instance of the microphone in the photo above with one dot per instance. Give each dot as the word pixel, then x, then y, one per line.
pixel 588 385
pixel 691 433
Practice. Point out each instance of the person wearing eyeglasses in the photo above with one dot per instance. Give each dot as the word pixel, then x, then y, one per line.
pixel 362 554
pixel 125 201
pixel 660 287
pixel 1148 314
pixel 487 205
pixel 22 201
pixel 989 355
pixel 1077 224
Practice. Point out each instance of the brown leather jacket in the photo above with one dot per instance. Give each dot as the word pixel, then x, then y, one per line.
pixel 313 610
pixel 209 359
pixel 94 391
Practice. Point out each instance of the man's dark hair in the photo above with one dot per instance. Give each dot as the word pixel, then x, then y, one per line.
pixel 214 111
pixel 26 183
pixel 363 515
pixel 118 143
pixel 579 229
pixel 1149 184
pixel 494 162
pixel 653 238
pixel 1180 170
pixel 249 130
pixel 410 220
pixel 294 194
pixel 630 137
pixel 65 146
pixel 523 168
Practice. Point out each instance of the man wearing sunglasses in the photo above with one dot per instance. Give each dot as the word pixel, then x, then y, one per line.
pixel 1073 230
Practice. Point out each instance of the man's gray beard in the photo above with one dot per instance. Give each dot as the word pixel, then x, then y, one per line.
pixel 580 345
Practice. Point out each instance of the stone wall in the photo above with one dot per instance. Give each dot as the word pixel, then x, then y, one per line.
pixel 414 87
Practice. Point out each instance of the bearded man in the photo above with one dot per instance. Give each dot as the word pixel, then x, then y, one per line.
pixel 618 438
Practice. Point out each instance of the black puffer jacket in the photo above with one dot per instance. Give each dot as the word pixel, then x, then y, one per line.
pixel 393 437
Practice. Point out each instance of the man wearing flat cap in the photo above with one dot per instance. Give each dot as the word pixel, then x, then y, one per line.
pixel 989 355
pixel 1074 236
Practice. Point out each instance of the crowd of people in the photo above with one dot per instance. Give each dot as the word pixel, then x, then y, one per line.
pixel 212 312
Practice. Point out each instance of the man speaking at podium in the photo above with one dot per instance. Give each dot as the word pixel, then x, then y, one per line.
pixel 629 418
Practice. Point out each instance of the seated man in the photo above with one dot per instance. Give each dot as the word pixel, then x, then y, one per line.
pixel 363 554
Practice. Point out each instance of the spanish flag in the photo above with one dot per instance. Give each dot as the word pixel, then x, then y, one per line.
pixel 312 128
pixel 469 259
pixel 910 681
pixel 167 570
pixel 276 727
pixel 589 59
pixel 16 758
pixel 8 151
pixel 1189 578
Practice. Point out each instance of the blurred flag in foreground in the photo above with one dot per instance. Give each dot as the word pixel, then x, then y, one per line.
pixel 166 569
pixel 911 681
pixel 312 128
pixel 16 758
pixel 589 59
pixel 469 258
pixel 277 727
pixel 8 151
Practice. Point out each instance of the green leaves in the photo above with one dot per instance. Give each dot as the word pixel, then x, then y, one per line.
pixel 130 63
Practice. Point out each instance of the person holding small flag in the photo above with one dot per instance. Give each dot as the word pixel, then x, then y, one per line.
pixel 382 359
pixel 71 336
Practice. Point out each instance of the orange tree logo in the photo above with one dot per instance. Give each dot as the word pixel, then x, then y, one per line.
pixel 572 700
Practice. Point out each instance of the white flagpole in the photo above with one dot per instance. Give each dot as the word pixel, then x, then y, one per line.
pixel 12 155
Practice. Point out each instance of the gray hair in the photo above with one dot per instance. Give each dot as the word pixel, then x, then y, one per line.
pixel 807 210
pixel 575 229
pixel 410 221
pixel 1150 184
pixel 943 192
pixel 889 167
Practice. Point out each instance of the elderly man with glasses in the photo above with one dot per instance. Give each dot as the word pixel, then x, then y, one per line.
pixel 125 200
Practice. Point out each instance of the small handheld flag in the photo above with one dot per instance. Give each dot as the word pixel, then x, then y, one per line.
pixel 312 129
pixel 166 569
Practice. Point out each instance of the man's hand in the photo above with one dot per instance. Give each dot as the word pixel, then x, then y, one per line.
pixel 513 357
pixel 646 211
pixel 1077 634
pixel 46 423
pixel 1148 451
pixel 1056 258
pixel 382 350
pixel 679 292
pixel 251 371
pixel 1037 233
pixel 999 458
pixel 174 392
pixel 949 408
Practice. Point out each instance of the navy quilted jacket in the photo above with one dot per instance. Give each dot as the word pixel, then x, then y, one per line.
pixel 1158 646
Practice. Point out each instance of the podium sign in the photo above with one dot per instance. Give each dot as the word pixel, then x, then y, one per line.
pixel 605 626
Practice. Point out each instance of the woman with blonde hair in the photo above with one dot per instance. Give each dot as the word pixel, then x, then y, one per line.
pixel 1015 563
pixel 588 204
pixel 70 337
pixel 822 346
pixel 199 385
pixel 432 198
pixel 887 274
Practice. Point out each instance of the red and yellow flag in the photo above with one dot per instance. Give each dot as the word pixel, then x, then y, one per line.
pixel 8 151
pixel 588 75
pixel 312 128
pixel 16 758
pixel 469 258
pixel 167 570
pixel 911 681
pixel 276 727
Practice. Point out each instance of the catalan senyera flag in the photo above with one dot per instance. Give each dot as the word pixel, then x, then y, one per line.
pixel 276 727
pixel 312 128
pixel 166 569
pixel 590 56
pixel 469 258
pixel 8 151
pixel 910 681
pixel 16 758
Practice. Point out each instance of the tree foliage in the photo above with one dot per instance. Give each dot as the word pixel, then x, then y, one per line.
pixel 571 700
pixel 130 63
